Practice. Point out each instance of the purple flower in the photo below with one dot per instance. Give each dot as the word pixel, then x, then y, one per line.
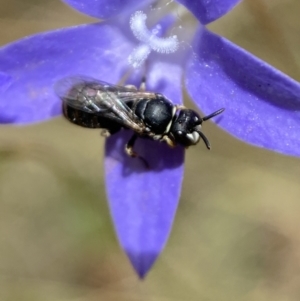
pixel 262 104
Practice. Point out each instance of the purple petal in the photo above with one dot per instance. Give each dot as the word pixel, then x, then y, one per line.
pixel 34 64
pixel 208 11
pixel 5 81
pixel 143 201
pixel 104 9
pixel 262 104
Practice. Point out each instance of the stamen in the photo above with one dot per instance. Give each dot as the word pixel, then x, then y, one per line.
pixel 150 40
pixel 138 26
pixel 164 45
pixel 139 55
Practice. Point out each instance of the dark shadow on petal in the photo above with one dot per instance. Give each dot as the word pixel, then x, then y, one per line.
pixel 219 118
pixel 6 119
pixel 5 81
pixel 142 262
pixel 158 155
pixel 208 11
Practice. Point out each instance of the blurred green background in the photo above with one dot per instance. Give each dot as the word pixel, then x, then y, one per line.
pixel 236 234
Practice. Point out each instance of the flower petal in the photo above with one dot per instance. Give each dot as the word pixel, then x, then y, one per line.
pixel 262 104
pixel 34 64
pixel 104 9
pixel 5 80
pixel 208 11
pixel 143 201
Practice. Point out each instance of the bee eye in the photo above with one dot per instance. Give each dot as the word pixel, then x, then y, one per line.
pixel 196 118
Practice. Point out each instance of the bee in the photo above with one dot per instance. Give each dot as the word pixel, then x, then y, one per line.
pixel 93 103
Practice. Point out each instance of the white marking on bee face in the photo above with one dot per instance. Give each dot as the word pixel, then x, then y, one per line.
pixel 193 137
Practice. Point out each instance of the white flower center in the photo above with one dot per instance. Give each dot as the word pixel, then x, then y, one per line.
pixel 149 40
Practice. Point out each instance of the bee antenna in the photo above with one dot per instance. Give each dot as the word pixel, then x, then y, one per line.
pixel 213 115
pixel 204 139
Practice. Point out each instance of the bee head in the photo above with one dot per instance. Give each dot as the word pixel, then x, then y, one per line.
pixel 186 128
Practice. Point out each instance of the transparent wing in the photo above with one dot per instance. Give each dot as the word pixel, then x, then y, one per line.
pixel 82 93
pixel 100 98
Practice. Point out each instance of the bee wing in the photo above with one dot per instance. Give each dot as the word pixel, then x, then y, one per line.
pixel 100 98
pixel 80 91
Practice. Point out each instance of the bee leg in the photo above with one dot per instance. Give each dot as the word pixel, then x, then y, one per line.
pixel 169 141
pixel 105 133
pixel 180 107
pixel 131 153
pixel 133 87
pixel 143 84
pixel 108 132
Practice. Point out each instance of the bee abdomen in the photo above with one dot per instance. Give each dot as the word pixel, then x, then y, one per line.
pixel 81 118
pixel 89 120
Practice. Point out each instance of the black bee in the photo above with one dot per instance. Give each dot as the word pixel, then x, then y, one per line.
pixel 96 104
